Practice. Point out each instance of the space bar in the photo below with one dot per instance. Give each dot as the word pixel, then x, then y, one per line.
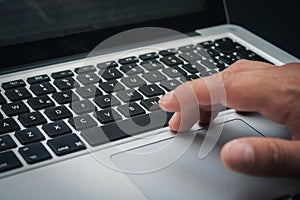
pixel 126 128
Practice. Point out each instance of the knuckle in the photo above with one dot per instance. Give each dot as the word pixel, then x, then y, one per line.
pixel 242 62
pixel 239 64
pixel 278 155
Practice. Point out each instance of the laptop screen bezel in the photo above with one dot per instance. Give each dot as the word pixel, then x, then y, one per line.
pixel 26 54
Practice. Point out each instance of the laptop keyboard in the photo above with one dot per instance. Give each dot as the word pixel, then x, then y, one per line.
pixel 42 117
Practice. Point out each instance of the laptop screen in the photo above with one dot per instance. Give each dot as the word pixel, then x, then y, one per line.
pixel 33 31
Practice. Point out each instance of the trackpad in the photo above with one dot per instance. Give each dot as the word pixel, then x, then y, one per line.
pixel 173 168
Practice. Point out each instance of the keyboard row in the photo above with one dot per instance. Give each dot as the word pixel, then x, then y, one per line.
pixel 68 142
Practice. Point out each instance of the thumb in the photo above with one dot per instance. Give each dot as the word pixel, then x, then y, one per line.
pixel 263 156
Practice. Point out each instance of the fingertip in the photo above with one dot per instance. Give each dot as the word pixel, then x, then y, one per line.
pixel 238 155
pixel 166 100
pixel 173 123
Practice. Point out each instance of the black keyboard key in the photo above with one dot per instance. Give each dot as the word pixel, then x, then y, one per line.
pixel 57 113
pixel 206 44
pixel 32 119
pixel 66 144
pixel 133 81
pixel 17 94
pixel 174 72
pixel 57 128
pixel 8 125
pixel 2 100
pixel 6 142
pixel 228 47
pixel 226 60
pixel 128 60
pixel 42 88
pixel 29 135
pixel 131 110
pixel 189 78
pixel 154 76
pixel 203 53
pixel 208 73
pixel 64 97
pixel 151 90
pixel 189 47
pixel 191 68
pixel 151 104
pixel 212 53
pixel 1 116
pixel 9 161
pixel 131 69
pixel 62 74
pixel 38 79
pixel 84 106
pixel 34 153
pixel 66 83
pixel 170 84
pixel 82 122
pixel 122 129
pixel 224 41
pixel 108 64
pixel 16 108
pixel 89 78
pixel 111 86
pixel 190 56
pixel 106 101
pixel 168 52
pixel 148 56
pixel 209 64
pixel 88 91
pixel 85 69
pixel 129 95
pixel 108 115
pixel 13 84
pixel 247 54
pixel 110 74
pixel 171 60
pixel 39 103
pixel 152 65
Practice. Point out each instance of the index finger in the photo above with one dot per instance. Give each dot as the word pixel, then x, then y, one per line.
pixel 243 91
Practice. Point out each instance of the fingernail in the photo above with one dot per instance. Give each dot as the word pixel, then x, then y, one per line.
pixel 239 155
pixel 166 98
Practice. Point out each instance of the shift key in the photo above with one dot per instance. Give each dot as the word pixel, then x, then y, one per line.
pixel 66 144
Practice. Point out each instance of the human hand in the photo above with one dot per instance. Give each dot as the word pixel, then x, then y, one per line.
pixel 250 86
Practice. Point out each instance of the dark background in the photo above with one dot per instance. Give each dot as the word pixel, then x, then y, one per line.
pixel 274 20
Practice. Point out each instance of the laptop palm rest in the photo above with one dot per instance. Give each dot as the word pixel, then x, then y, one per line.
pixel 190 177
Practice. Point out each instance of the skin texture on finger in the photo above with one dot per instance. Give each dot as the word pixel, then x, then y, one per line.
pixel 182 121
pixel 265 88
pixel 247 65
pixel 263 157
pixel 203 97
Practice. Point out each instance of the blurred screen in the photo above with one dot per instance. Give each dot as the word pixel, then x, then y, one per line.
pixel 30 20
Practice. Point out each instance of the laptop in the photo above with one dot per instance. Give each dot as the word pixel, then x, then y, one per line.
pixel 80 82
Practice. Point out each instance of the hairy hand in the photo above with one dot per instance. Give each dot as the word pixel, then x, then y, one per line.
pixel 249 86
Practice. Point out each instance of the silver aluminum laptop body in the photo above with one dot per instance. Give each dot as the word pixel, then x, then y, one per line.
pixel 106 171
